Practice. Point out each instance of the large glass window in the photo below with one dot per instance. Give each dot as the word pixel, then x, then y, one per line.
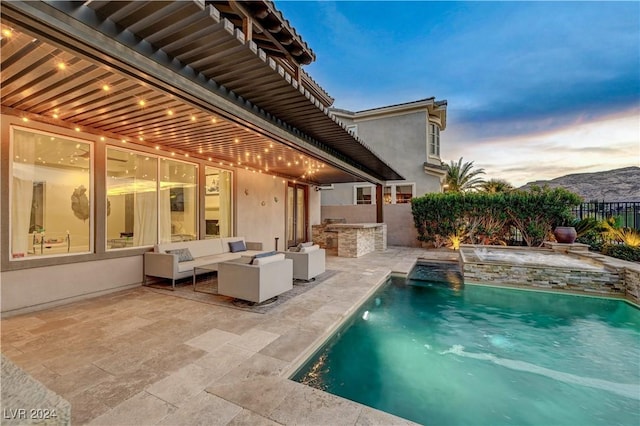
pixel 217 202
pixel 178 201
pixel 51 186
pixel 434 140
pixel 132 199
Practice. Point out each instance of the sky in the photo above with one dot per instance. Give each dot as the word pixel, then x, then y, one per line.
pixel 535 90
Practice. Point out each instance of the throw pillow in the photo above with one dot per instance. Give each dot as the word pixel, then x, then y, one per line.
pixel 294 249
pixel 264 260
pixel 265 254
pixel 236 246
pixel 184 255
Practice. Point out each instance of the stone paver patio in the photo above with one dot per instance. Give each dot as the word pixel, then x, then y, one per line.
pixel 138 357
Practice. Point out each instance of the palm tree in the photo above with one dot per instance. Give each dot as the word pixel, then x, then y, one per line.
pixel 493 186
pixel 460 177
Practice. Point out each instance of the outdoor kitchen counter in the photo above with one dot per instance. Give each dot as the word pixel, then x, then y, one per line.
pixel 354 239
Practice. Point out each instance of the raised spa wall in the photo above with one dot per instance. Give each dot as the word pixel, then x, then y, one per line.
pixel 617 278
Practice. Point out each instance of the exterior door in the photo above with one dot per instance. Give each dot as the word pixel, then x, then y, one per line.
pixel 297 199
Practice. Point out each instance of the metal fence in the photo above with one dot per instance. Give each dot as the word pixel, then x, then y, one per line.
pixel 627 213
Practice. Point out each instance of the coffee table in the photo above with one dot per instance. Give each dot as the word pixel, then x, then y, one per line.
pixel 211 267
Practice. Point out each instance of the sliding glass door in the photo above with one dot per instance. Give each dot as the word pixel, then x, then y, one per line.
pixel 297 216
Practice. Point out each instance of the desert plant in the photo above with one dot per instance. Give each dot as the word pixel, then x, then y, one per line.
pixel 461 178
pixel 628 236
pixel 493 186
pixel 583 226
pixel 457 238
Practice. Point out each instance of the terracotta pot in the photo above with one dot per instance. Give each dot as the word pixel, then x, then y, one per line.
pixel 565 234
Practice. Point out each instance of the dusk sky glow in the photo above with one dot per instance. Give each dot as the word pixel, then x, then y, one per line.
pixel 535 90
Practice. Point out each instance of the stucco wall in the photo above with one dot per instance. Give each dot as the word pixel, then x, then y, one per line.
pixel 401 140
pixel 352 214
pixel 400 228
pixel 260 208
pixel 38 288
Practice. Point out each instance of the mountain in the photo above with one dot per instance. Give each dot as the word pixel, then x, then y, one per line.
pixel 612 185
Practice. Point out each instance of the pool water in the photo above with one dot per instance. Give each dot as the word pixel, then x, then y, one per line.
pixel 477 355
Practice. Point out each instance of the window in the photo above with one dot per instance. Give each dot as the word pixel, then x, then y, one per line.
pixel 404 193
pixel 364 194
pixel 132 199
pixel 149 199
pixel 434 140
pixel 51 187
pixel 387 195
pixel 399 193
pixel 217 202
pixel 178 201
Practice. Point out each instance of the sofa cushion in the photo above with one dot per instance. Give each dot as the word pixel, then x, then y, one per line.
pixel 184 255
pixel 236 246
pixel 268 259
pixel 198 248
pixel 261 255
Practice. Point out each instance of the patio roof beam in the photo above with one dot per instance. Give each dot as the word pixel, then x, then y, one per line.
pixel 54 22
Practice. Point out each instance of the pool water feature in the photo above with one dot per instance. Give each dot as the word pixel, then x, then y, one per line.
pixel 542 268
pixel 477 355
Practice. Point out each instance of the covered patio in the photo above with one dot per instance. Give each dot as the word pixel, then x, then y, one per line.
pixel 134 104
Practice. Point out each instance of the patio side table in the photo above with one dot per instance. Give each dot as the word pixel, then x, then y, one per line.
pixel 212 267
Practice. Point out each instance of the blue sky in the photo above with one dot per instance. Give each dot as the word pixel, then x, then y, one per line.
pixel 535 90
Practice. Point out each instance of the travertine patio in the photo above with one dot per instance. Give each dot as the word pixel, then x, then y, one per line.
pixel 138 357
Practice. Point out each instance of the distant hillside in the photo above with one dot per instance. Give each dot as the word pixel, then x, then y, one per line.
pixel 612 185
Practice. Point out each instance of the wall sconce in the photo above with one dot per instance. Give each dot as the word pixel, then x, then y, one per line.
pixel 275 199
pixel 263 203
pixel 246 191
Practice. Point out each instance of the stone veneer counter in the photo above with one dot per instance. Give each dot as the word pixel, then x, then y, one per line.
pixel 354 239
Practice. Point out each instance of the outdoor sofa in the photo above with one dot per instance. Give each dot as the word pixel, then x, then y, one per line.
pixel 177 260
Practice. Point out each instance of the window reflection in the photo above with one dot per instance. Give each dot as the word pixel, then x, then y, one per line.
pixel 131 199
pixel 51 187
pixel 217 202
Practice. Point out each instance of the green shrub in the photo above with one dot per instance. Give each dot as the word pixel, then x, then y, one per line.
pixel 622 251
pixel 485 218
pixel 593 238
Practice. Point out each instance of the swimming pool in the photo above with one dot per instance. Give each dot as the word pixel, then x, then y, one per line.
pixel 478 355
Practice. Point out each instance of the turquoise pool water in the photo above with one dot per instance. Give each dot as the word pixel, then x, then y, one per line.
pixel 479 355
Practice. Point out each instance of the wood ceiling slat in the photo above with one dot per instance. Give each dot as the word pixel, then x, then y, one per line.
pixel 143 14
pixel 107 8
pixel 204 58
pixel 57 84
pixel 153 117
pixel 164 15
pixel 203 29
pixel 17 72
pixel 126 8
pixel 178 29
pixel 121 103
pixel 12 50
